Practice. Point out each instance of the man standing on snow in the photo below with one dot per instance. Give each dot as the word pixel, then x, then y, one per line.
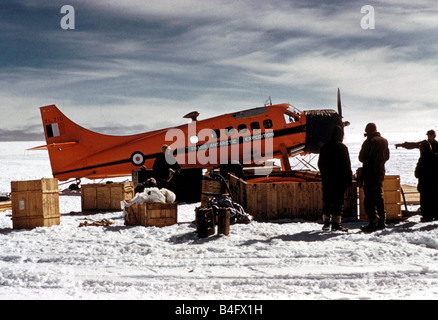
pixel 426 172
pixel 374 154
pixel 335 167
pixel 431 135
pixel 165 167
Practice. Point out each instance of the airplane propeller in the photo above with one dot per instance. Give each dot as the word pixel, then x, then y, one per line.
pixel 339 104
pixel 345 123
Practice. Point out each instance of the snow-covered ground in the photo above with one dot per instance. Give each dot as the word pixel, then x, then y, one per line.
pixel 293 260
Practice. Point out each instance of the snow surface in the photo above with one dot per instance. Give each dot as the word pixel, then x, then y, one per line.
pixel 289 260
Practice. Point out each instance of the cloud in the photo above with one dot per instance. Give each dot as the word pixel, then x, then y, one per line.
pixel 144 64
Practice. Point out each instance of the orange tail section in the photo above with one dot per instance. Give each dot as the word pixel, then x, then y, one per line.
pixel 76 152
pixel 58 129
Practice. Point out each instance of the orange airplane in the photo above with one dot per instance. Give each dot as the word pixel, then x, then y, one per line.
pixel 249 136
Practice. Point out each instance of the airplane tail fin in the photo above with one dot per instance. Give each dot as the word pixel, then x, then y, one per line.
pixel 57 127
pixel 76 152
pixel 62 135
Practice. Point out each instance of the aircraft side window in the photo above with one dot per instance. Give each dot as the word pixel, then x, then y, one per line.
pixel 229 131
pixel 215 134
pixel 241 128
pixel 267 124
pixel 255 125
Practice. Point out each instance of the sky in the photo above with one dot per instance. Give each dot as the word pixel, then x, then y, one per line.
pixel 136 65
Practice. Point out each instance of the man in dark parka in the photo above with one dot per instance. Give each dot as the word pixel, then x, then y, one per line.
pixel 335 167
pixel 426 172
pixel 431 135
pixel 374 154
pixel 165 167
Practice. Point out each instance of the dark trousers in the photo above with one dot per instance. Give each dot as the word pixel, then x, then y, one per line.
pixel 428 203
pixel 333 201
pixel 373 202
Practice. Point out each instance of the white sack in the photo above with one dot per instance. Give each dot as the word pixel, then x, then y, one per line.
pixel 151 195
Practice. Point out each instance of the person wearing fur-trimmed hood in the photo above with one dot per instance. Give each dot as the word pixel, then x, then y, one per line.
pixel 335 167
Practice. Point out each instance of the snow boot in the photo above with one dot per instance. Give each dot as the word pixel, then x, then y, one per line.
pixel 371 227
pixel 326 220
pixel 426 219
pixel 336 224
pixel 381 221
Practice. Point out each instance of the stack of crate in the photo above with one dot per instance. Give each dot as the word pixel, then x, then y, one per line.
pixel 211 188
pixel 35 203
pixel 105 196
pixel 391 197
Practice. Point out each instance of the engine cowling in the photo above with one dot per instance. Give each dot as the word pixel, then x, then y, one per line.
pixel 319 127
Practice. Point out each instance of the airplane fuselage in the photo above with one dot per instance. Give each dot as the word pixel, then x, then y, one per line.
pixel 249 136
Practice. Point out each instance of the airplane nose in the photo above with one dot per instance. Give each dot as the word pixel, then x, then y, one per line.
pixel 319 127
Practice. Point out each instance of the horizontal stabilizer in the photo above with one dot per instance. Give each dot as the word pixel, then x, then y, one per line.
pixel 55 145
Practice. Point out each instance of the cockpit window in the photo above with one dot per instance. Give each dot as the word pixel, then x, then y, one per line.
pixel 289 118
pixel 291 115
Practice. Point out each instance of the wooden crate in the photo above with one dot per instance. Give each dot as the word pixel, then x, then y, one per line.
pixel 105 196
pixel 152 214
pixel 351 203
pixel 5 205
pixel 411 194
pixel 35 203
pixel 391 197
pixel 223 221
pixel 210 188
pixel 205 222
pixel 286 196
